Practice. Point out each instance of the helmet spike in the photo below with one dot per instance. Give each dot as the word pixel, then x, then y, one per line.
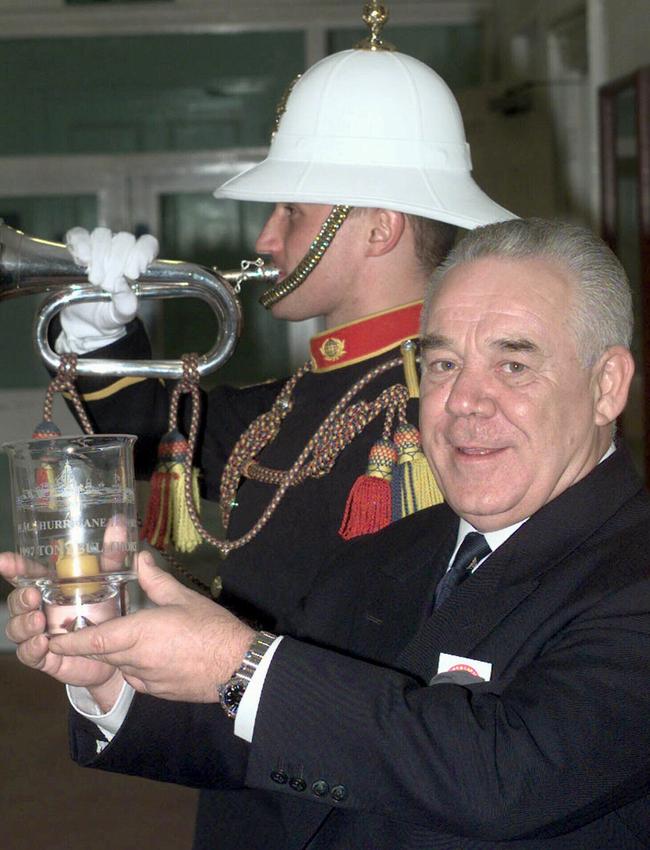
pixel 375 16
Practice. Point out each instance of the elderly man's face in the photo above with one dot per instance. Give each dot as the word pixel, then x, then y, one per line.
pixel 508 413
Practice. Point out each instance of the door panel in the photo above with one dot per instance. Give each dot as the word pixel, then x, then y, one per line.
pixel 625 169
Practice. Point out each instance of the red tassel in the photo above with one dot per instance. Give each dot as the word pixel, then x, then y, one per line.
pixel 156 528
pixel 42 476
pixel 368 506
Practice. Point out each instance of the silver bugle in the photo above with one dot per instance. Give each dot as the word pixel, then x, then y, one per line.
pixel 29 265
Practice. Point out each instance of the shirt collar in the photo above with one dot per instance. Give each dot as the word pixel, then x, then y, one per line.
pixel 494 538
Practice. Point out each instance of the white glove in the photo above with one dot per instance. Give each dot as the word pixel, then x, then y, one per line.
pixel 109 260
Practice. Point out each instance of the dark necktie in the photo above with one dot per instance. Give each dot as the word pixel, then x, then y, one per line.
pixel 473 548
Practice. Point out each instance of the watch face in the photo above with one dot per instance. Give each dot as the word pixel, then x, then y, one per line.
pixel 231 696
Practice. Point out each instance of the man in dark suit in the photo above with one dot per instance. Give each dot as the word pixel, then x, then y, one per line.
pixel 475 676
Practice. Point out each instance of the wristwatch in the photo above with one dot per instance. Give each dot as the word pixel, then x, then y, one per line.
pixel 232 691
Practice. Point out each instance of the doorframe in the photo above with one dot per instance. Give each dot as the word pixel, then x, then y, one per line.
pixel 638 147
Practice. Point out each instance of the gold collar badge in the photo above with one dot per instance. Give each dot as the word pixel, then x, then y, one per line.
pixel 332 349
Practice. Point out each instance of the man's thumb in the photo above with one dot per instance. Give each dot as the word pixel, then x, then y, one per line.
pixel 160 587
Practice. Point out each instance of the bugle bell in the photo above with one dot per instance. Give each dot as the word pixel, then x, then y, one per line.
pixel 29 266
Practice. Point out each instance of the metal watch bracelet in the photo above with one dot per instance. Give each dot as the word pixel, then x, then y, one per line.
pixel 232 691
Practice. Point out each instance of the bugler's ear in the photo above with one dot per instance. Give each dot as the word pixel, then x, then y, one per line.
pixel 385 231
pixel 612 377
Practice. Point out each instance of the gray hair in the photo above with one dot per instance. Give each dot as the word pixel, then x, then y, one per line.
pixel 601 312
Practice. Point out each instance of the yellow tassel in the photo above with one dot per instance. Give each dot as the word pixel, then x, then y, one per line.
pixel 184 535
pixel 425 488
pixel 414 484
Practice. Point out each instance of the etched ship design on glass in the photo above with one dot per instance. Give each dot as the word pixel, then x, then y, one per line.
pixel 72 485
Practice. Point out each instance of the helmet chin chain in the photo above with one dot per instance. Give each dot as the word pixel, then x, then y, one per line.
pixel 311 259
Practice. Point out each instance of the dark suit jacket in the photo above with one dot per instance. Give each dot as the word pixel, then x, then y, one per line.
pixel 358 750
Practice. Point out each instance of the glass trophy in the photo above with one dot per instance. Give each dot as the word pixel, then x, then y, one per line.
pixel 75 525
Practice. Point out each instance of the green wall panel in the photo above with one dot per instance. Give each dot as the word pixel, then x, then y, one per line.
pixel 143 93
pixel 453 50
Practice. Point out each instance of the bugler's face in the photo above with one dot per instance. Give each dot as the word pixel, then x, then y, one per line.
pixel 329 289
pixel 507 411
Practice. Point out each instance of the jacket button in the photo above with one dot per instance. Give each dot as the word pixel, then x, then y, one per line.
pixel 320 788
pixel 339 793
pixel 279 776
pixel 297 783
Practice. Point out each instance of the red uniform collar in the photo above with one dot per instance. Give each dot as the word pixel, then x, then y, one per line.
pixel 365 338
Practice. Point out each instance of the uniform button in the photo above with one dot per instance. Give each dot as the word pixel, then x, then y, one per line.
pixel 339 793
pixel 279 776
pixel 320 788
pixel 297 783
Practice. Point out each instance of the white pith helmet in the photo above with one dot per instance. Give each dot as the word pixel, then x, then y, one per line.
pixel 371 128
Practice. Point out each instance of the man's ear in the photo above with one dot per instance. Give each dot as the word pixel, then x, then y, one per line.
pixel 612 378
pixel 386 229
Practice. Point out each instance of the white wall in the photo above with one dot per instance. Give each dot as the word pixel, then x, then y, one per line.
pixel 628 29
pixel 567 49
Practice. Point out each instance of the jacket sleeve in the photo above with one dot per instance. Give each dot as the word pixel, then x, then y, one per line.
pixel 560 741
pixel 185 743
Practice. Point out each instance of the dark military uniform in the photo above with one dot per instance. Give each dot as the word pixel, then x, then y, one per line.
pixel 266 578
